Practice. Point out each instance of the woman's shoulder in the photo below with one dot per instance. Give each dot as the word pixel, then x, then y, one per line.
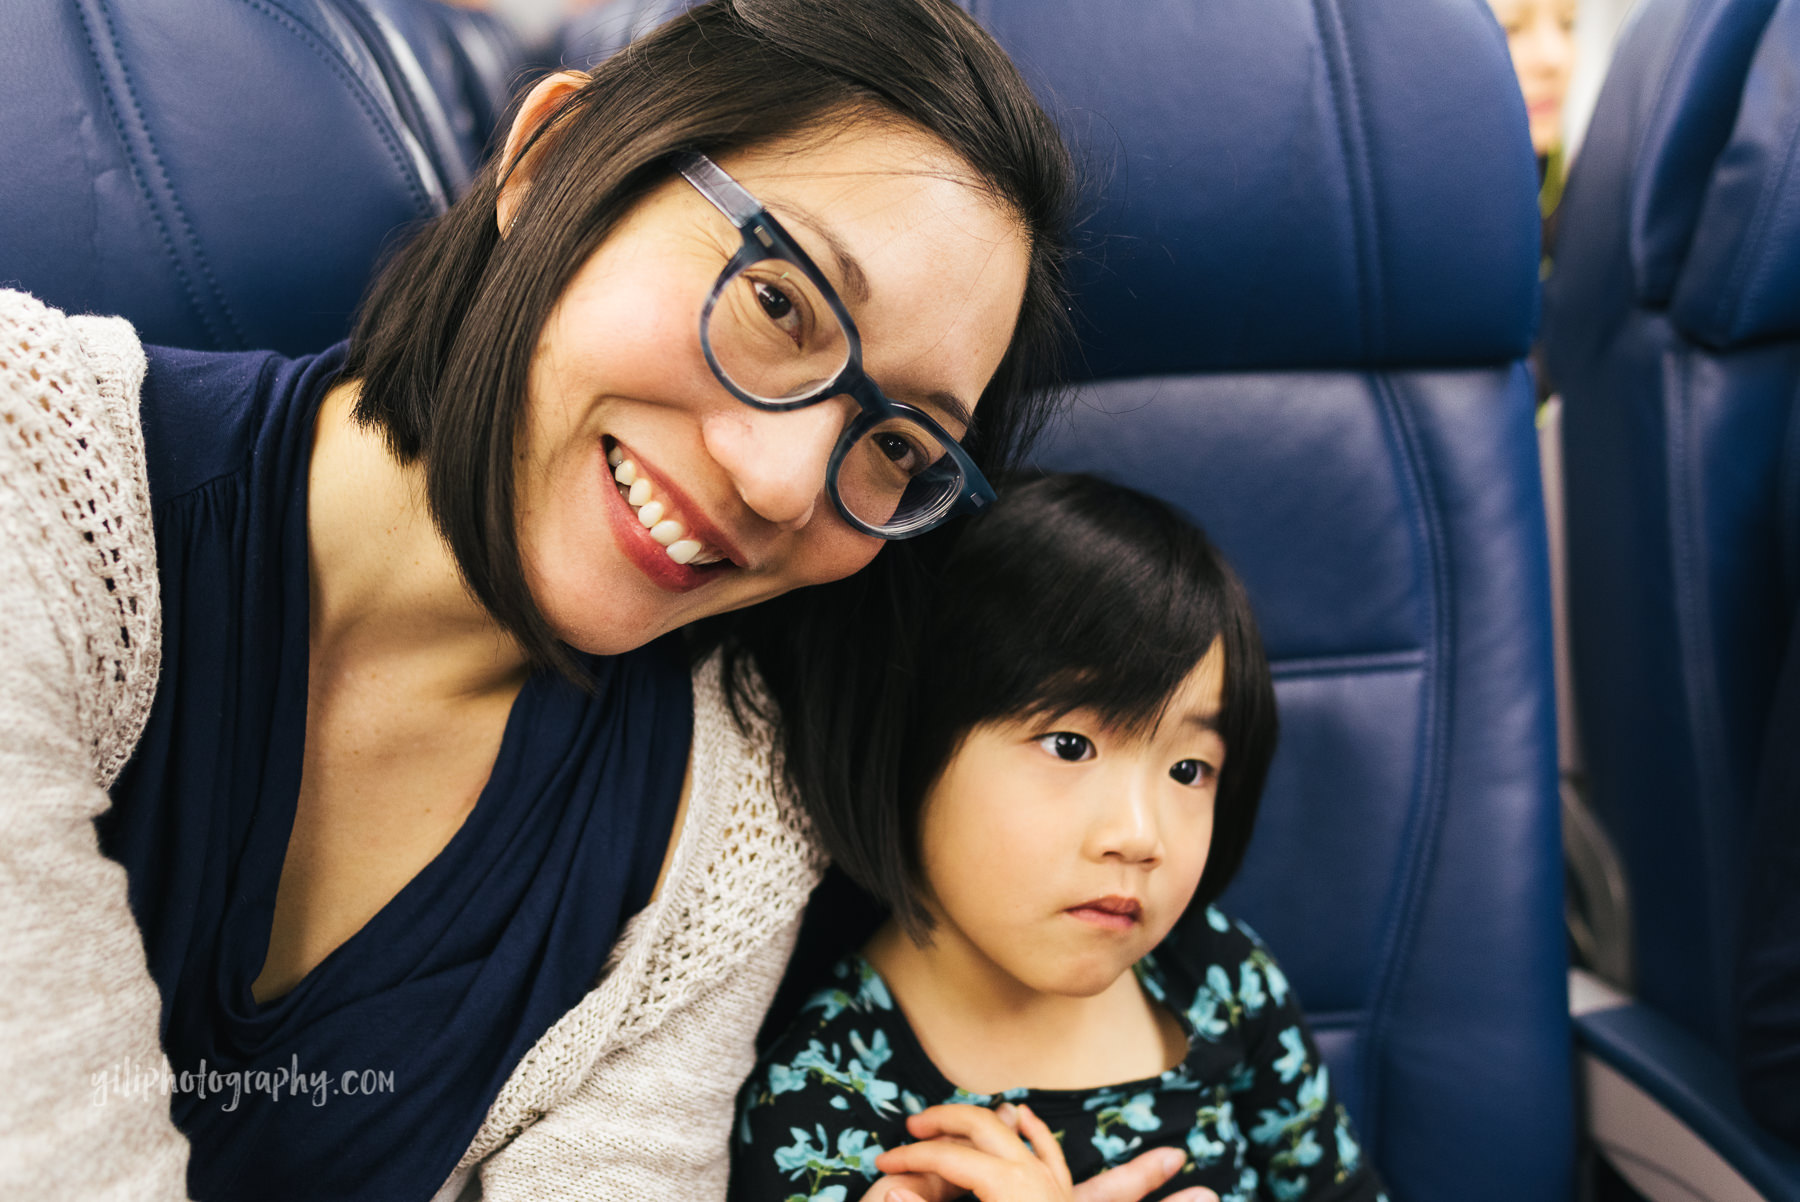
pixel 208 414
pixel 746 853
pixel 75 511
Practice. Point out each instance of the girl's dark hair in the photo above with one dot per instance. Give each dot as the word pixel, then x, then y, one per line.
pixel 1071 592
pixel 444 343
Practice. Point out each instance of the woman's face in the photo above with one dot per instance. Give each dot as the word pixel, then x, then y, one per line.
pixel 932 270
pixel 1541 36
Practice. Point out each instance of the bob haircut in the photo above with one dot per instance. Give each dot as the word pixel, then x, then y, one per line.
pixel 1069 593
pixel 444 343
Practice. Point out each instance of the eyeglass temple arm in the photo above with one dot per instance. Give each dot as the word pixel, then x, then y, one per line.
pixel 725 193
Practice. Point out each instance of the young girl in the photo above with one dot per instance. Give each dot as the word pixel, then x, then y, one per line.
pixel 1091 720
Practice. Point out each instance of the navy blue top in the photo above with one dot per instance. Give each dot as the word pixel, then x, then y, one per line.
pixel 370 1078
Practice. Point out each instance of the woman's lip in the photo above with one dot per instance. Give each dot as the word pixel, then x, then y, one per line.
pixel 650 557
pixel 691 514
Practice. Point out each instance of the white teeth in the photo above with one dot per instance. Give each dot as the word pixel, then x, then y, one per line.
pixel 671 533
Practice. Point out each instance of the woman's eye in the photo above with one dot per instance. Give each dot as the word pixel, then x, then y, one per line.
pixel 778 307
pixel 904 453
pixel 1068 746
pixel 1191 772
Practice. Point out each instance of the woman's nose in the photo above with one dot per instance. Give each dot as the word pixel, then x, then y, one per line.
pixel 776 461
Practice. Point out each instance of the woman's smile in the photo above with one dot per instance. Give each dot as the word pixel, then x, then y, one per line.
pixel 660 530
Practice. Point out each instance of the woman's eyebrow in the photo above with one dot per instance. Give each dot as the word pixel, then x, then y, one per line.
pixel 951 406
pixel 856 288
pixel 856 281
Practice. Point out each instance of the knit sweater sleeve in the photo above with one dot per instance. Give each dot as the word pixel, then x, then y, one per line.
pixel 631 1094
pixel 78 647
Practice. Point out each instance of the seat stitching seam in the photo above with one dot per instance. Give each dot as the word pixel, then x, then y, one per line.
pixel 103 76
pixel 172 198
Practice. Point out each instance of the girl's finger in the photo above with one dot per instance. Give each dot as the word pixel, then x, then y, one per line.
pixel 1197 1194
pixel 980 1126
pixel 1137 1177
pixel 923 1187
pixel 959 1164
pixel 1043 1142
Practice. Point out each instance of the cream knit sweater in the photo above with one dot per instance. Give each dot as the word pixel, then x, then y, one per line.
pixel 629 1095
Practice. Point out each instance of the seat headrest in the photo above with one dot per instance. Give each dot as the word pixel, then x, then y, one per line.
pixel 1291 183
pixel 468 60
pixel 1662 119
pixel 223 174
pixel 1283 183
pixel 1740 281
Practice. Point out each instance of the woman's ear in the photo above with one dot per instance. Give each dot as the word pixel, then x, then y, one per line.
pixel 543 103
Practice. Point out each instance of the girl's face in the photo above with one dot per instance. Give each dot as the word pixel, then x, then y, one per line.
pixel 933 271
pixel 1056 855
pixel 1541 36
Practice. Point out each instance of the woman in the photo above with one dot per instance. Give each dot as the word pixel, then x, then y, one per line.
pixel 421 758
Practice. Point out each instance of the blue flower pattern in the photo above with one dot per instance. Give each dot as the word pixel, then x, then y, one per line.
pixel 835 1090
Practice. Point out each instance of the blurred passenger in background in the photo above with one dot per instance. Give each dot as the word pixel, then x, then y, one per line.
pixel 1541 36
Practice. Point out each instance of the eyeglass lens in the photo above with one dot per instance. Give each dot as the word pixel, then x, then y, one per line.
pixel 776 340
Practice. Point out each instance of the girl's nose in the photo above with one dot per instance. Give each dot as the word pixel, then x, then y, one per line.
pixel 776 461
pixel 1126 827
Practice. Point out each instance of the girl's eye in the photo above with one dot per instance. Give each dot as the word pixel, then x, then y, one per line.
pixel 1068 746
pixel 1191 772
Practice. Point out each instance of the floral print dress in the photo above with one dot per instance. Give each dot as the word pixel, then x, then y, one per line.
pixel 1251 1104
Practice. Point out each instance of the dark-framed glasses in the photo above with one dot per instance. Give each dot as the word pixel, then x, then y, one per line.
pixel 778 337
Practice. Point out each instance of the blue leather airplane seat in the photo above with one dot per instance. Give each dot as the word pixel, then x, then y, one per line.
pixel 1673 330
pixel 471 60
pixel 1305 314
pixel 224 174
pixel 1311 287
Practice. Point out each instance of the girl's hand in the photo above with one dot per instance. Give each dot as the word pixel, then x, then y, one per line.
pixel 978 1151
pixel 1129 1182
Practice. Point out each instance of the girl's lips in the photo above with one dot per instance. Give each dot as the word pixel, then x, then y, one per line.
pixel 649 556
pixel 1108 913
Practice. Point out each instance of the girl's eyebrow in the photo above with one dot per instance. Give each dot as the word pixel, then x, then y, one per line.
pixel 1204 720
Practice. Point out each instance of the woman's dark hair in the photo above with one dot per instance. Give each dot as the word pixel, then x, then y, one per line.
pixel 444 343
pixel 1070 593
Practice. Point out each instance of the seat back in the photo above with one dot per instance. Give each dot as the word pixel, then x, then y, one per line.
pixel 470 60
pixel 225 175
pixel 1673 332
pixel 1311 286
pixel 1305 313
